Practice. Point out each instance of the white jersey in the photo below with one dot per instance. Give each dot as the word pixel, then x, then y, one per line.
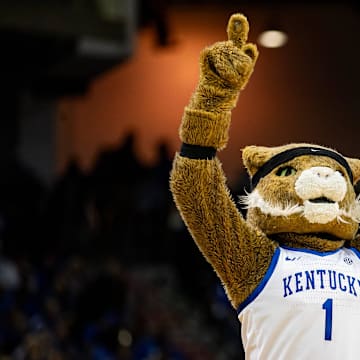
pixel 306 307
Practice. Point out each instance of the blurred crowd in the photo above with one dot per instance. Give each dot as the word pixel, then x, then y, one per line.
pixel 101 267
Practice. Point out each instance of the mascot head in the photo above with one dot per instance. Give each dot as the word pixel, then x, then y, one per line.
pixel 302 189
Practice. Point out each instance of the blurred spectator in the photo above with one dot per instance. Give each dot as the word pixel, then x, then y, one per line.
pixel 66 223
pixel 22 199
pixel 101 267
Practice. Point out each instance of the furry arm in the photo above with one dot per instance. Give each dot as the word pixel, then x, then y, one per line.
pixel 239 253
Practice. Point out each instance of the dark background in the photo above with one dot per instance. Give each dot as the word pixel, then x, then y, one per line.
pixel 95 262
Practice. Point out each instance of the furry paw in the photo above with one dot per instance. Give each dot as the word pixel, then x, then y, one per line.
pixel 229 64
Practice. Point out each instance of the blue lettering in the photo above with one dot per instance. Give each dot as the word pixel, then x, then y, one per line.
pixel 310 280
pixel 332 279
pixel 287 290
pixel 341 286
pixel 321 273
pixel 299 287
pixel 351 281
pixel 320 279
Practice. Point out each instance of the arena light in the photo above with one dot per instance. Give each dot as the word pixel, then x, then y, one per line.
pixel 272 38
pixel 125 338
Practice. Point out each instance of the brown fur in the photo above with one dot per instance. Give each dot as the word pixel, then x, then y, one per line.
pixel 241 250
pixel 239 253
pixel 271 187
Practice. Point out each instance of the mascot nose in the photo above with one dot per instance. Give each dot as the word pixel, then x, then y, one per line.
pixel 321 181
pixel 322 172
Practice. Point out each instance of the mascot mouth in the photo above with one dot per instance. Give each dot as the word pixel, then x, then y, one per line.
pixel 320 210
pixel 322 200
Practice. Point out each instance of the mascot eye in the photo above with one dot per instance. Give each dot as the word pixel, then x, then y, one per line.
pixel 286 171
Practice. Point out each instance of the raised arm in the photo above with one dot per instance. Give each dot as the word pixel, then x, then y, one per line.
pixel 239 253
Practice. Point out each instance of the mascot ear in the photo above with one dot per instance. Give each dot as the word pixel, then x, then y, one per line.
pixel 355 168
pixel 255 156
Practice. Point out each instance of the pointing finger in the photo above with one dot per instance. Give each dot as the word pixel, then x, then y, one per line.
pixel 238 29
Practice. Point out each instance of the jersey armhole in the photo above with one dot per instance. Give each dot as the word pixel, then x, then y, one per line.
pixel 262 283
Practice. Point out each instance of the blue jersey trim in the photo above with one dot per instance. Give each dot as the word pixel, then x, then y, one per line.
pixel 262 283
pixel 314 252
pixel 356 251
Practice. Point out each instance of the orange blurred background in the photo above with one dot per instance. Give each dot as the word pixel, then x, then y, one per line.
pixel 305 91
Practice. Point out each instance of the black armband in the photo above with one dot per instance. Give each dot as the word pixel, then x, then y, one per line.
pixel 197 152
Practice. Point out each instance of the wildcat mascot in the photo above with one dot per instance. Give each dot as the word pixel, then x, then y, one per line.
pixel 291 268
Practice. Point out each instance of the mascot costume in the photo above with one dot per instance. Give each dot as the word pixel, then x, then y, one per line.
pixel 291 269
